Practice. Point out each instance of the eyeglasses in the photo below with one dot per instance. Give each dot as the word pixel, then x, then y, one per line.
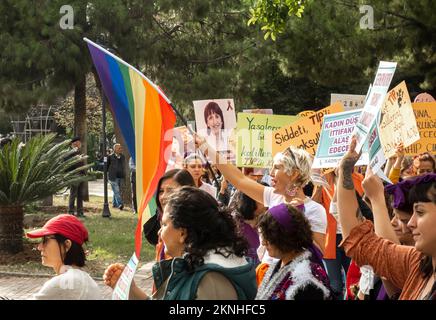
pixel 46 238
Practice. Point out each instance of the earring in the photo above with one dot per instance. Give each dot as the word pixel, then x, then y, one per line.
pixel 291 190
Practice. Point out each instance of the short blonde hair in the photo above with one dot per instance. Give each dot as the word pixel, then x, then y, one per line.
pixel 296 159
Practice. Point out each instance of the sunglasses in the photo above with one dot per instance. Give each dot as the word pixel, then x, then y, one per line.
pixel 289 152
pixel 46 238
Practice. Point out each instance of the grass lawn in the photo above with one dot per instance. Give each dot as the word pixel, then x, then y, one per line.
pixel 110 240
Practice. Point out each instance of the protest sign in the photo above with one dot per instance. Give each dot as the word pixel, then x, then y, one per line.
pixel 306 113
pixel 376 155
pixel 425 115
pixel 374 101
pixel 424 97
pixel 122 288
pixel 254 138
pixel 335 139
pixel 397 121
pixel 215 120
pixel 303 133
pixel 349 101
pixel 183 144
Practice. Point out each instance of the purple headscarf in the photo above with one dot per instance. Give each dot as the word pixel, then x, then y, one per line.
pixel 281 214
pixel 402 188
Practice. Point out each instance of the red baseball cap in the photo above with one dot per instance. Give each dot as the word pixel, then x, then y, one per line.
pixel 64 224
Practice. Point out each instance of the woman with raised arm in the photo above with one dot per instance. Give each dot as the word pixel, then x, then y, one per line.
pixel 291 171
pixel 410 269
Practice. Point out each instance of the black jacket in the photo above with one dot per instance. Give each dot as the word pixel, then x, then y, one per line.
pixel 116 167
pixel 76 165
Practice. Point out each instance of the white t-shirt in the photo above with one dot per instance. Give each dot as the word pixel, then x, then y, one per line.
pixel 313 211
pixel 208 188
pixel 71 284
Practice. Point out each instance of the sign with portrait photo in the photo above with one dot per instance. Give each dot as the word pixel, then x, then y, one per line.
pixel 215 121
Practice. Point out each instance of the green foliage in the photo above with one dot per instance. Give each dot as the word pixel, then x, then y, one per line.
pixel 273 15
pixel 37 170
pixel 328 47
pixel 200 49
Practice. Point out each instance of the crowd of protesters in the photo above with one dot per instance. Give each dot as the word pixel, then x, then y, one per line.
pixel 223 232
pixel 361 238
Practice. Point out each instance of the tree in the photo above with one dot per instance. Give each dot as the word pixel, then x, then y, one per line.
pixel 29 173
pixel 328 46
pixel 273 15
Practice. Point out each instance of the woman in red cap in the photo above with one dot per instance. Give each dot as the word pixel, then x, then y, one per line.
pixel 61 248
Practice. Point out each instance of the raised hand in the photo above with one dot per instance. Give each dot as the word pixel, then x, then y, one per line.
pixel 112 274
pixel 347 164
pixel 372 185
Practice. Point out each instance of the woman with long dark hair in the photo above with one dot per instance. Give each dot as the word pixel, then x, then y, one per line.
pixel 208 254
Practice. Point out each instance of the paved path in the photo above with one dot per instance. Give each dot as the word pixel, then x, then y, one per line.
pixel 24 286
pixel 95 188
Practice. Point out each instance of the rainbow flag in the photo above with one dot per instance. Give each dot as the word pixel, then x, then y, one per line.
pixel 144 114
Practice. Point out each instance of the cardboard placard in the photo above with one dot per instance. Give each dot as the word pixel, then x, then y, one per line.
pixel 254 138
pixel 374 101
pixel 337 130
pixel 397 120
pixel 303 133
pixel 425 115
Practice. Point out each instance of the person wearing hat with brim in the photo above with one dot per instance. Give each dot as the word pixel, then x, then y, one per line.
pixel 76 190
pixel 61 247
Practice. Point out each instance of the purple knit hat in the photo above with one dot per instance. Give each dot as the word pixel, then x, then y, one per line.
pixel 401 189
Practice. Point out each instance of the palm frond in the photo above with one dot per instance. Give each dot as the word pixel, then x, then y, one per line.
pixel 38 169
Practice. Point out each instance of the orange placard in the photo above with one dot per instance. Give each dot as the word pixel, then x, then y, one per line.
pixel 425 114
pixel 303 133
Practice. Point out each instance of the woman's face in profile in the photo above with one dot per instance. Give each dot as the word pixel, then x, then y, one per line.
pixel 214 122
pixel 167 187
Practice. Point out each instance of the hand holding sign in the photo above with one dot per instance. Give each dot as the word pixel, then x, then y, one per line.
pixel 112 274
pixel 372 186
pixel 349 161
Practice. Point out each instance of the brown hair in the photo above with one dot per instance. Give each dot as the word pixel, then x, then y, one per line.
pixel 285 240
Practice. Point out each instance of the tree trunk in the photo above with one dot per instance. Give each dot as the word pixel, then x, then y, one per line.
pixel 126 189
pixel 11 229
pixel 80 127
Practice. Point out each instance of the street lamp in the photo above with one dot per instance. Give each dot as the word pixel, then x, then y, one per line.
pixel 106 212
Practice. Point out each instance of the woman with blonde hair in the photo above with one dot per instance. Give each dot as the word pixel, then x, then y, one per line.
pixel 290 173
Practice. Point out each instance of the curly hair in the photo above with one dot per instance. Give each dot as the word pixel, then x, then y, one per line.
pixel 295 240
pixel 208 226
pixel 243 206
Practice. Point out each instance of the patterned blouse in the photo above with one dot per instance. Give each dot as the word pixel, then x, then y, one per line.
pixel 301 279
